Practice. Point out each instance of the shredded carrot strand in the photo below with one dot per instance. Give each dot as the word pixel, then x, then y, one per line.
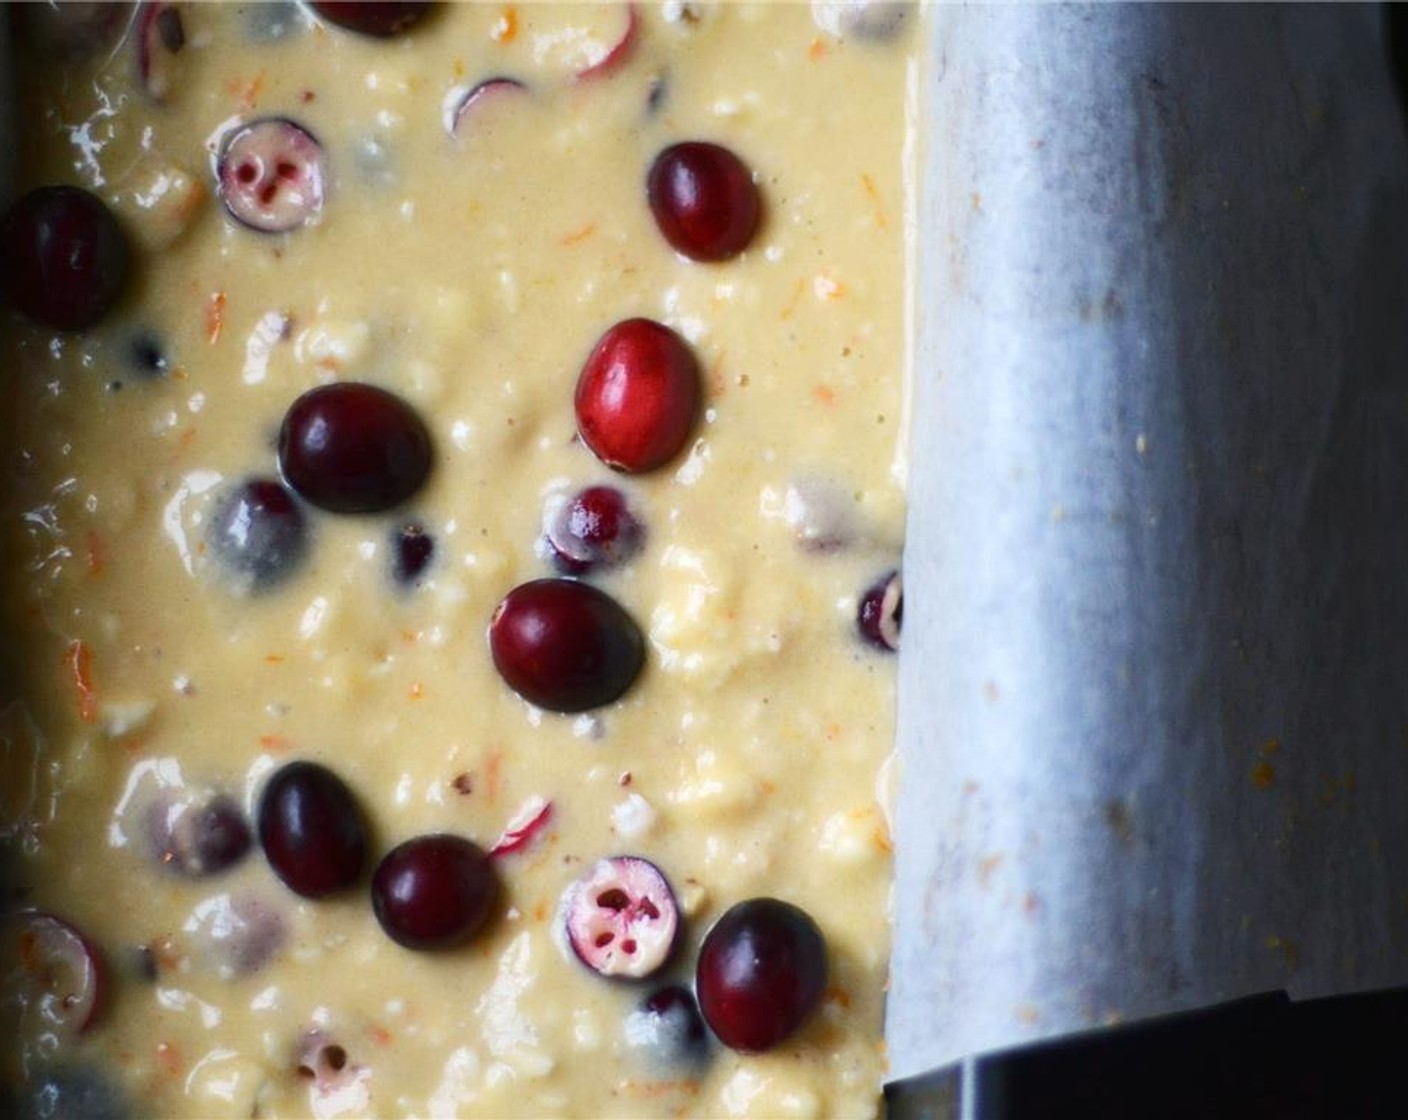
pixel 214 316
pixel 80 664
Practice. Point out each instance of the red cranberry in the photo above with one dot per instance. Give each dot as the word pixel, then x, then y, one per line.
pixel 880 612
pixel 433 892
pixel 620 51
pixel 761 973
pixel 666 1029
pixel 565 646
pixel 464 108
pixel 381 19
pixel 354 448
pixel 59 970
pixel 65 257
pixel 704 200
pixel 622 919
pixel 595 528
pixel 312 830
pixel 638 396
pixel 270 175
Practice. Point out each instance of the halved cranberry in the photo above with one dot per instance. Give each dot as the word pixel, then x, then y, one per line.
pixel 270 175
pixel 381 19
pixel 55 969
pixel 65 257
pixel 761 973
pixel 704 200
pixel 530 819
pixel 880 612
pixel 465 105
pixel 161 36
pixel 619 52
pixel 638 396
pixel 312 830
pixel 257 534
pixel 565 646
pixel 354 448
pixel 594 528
pixel 622 919
pixel 434 892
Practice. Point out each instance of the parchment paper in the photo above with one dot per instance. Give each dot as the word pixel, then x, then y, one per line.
pixel 1154 689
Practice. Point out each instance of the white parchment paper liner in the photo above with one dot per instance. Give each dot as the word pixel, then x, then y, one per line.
pixel 1154 691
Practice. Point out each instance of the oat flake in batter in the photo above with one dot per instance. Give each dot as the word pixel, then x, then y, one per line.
pixel 452 501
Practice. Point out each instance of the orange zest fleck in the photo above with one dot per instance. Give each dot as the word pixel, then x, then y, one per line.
pixel 214 316
pixel 1263 776
pixel 273 659
pixel 871 192
pixel 417 690
pixel 505 28
pixel 818 49
pixel 491 775
pixel 824 395
pixel 274 744
pixel 80 665
pixel 97 552
pixel 247 92
pixel 169 1059
pixel 881 839
pixel 381 1036
pixel 837 995
pixel 794 299
pixel 577 236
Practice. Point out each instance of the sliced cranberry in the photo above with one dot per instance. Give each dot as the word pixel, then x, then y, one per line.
pixel 666 1029
pixel 880 612
pixel 565 646
pixel 339 1086
pixel 412 549
pixel 257 534
pixel 270 175
pixel 160 36
pixel 354 448
pixel 761 973
pixel 56 970
pixel 594 528
pixel 532 817
pixel 381 19
pixel 312 830
pixel 638 396
pixel 704 200
pixel 199 834
pixel 65 257
pixel 619 52
pixel 434 892
pixel 463 106
pixel 621 919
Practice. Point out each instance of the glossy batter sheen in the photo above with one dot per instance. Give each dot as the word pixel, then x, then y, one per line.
pixel 471 275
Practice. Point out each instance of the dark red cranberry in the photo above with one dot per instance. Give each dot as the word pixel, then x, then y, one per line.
pixel 65 257
pixel 58 970
pixel 434 892
pixel 257 534
pixel 666 1029
pixel 200 834
pixel 312 830
pixel 880 612
pixel 595 528
pixel 621 918
pixel 565 646
pixel 704 200
pixel 638 396
pixel 381 19
pixel 270 175
pixel 354 448
pixel 761 973
pixel 459 113
pixel 412 549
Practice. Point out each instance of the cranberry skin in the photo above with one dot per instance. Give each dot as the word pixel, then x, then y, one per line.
pixel 594 529
pixel 638 396
pixel 565 646
pixel 57 969
pixel 761 973
pixel 381 19
pixel 354 448
pixel 880 612
pixel 704 200
pixel 434 892
pixel 412 551
pixel 65 257
pixel 257 532
pixel 311 830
